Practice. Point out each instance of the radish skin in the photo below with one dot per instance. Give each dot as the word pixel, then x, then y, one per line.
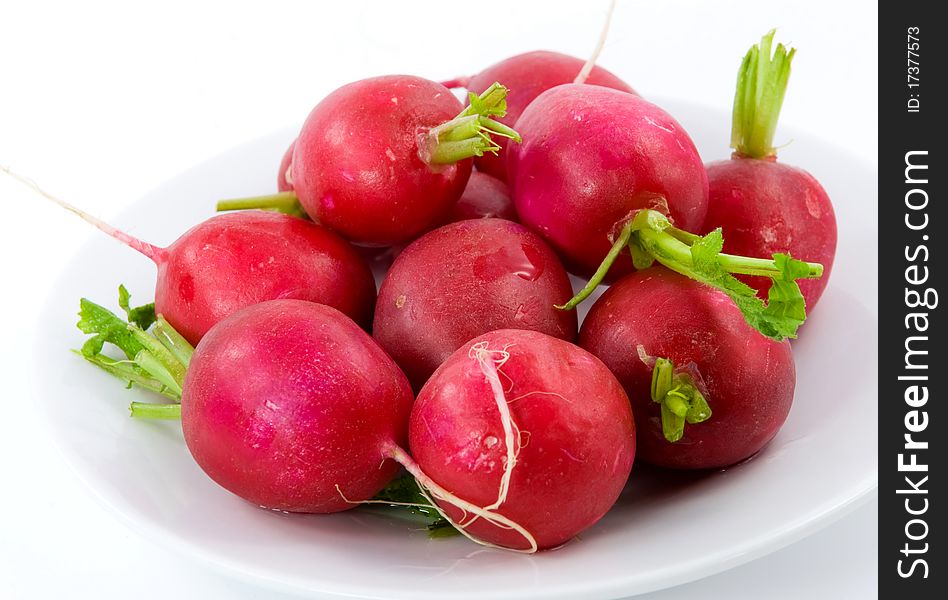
pixel 463 280
pixel 747 379
pixel 308 424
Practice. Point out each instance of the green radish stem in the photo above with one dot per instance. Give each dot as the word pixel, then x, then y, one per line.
pixel 147 410
pixel 283 202
pixel 650 237
pixel 761 85
pixel 679 397
pixel 469 134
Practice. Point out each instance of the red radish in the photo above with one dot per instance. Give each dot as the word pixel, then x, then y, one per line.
pixel 764 206
pixel 527 427
pixel 234 260
pixel 463 280
pixel 579 177
pixel 306 425
pixel 484 197
pixel 284 184
pixel 706 389
pixel 383 160
pixel 527 76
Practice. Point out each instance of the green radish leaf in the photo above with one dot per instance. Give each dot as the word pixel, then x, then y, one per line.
pixel 405 490
pixel 143 316
pixel 107 327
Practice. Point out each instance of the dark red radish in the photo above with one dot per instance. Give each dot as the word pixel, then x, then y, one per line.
pixel 707 390
pixel 577 178
pixel 526 427
pixel 484 197
pixel 306 425
pixel 527 76
pixel 463 280
pixel 764 206
pixel 283 183
pixel 233 260
pixel 383 160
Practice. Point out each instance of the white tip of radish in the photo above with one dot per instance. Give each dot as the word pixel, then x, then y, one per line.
pixel 588 67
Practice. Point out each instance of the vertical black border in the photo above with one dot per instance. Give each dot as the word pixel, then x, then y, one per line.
pixel 904 256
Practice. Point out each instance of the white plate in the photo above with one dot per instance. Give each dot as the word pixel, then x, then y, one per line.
pixel 661 532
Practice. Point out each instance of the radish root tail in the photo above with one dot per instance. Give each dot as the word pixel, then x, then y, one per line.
pixel 434 492
pixel 588 67
pixel 153 252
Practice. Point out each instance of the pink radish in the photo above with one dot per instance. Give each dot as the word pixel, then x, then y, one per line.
pixel 764 206
pixel 484 197
pixel 527 76
pixel 706 389
pixel 463 280
pixel 234 260
pixel 525 426
pixel 383 160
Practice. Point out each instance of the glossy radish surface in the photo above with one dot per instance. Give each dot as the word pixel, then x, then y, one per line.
pixel 527 76
pixel 291 406
pixel 746 380
pixel 578 177
pixel 463 280
pixel 530 425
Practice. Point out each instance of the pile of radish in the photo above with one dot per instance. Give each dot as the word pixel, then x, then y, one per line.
pixel 465 390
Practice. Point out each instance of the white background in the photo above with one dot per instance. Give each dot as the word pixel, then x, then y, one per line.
pixel 102 101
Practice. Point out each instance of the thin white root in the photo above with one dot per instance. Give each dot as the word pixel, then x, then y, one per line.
pixel 388 502
pixel 149 250
pixel 490 362
pixel 588 67
pixel 433 492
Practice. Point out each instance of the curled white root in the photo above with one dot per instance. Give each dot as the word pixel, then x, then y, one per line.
pixel 490 362
pixel 434 492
